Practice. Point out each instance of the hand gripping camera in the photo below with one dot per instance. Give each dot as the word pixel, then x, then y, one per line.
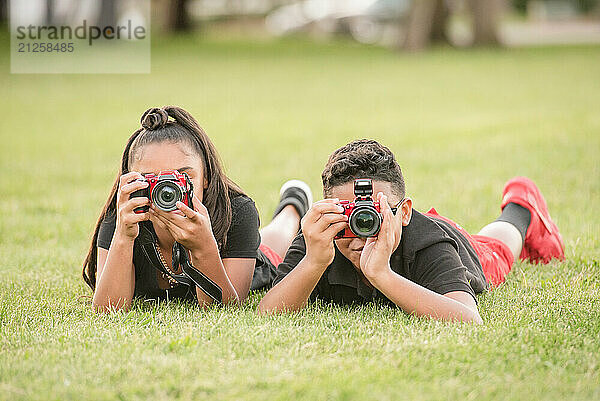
pixel 364 214
pixel 165 189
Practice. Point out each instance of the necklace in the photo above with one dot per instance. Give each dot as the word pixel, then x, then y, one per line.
pixel 172 282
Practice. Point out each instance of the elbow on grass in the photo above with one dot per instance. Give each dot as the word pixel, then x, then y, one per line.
pixel 264 310
pixel 108 307
pixel 477 320
pixel 472 318
pixel 205 302
pixel 270 308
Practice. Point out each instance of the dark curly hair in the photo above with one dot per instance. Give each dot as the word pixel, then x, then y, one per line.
pixel 363 158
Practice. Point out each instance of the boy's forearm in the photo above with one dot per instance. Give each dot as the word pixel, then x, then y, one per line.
pixel 420 301
pixel 292 293
pixel 116 282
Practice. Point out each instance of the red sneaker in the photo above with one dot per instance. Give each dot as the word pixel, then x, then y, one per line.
pixel 542 241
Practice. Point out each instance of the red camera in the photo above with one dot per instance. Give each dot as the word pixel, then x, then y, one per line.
pixel 364 214
pixel 165 189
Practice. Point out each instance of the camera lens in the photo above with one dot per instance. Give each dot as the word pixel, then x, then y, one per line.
pixel 166 195
pixel 365 221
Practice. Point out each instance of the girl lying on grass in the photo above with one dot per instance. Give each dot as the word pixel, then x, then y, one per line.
pixel 219 228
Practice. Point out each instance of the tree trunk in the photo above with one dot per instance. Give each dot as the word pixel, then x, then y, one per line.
pixel 108 13
pixel 440 18
pixel 486 21
pixel 3 11
pixel 178 19
pixel 426 22
pixel 49 17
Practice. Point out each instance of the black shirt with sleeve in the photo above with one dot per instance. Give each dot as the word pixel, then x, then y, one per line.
pixel 243 240
pixel 431 253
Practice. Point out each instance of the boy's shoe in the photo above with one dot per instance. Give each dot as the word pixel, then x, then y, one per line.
pixel 542 241
pixel 296 193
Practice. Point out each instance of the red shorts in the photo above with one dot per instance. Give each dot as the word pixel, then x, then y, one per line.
pixel 495 256
pixel 271 255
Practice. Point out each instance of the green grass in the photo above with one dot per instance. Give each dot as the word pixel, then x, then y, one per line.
pixel 460 122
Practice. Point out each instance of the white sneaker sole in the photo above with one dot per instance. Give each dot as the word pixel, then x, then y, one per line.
pixel 298 184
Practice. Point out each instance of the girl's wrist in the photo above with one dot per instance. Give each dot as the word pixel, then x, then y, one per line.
pixel 210 248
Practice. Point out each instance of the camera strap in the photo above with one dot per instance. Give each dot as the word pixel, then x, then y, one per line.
pixel 190 277
pixel 199 279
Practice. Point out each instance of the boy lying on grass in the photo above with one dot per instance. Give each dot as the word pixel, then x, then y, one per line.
pixel 422 262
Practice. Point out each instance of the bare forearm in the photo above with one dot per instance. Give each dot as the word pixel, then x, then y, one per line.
pixel 210 263
pixel 420 301
pixel 292 293
pixel 116 281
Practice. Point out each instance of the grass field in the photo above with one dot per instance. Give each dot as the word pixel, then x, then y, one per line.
pixel 460 122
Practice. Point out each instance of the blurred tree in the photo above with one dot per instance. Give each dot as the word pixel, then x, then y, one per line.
pixel 520 5
pixel 108 13
pixel 584 6
pixel 428 19
pixel 3 11
pixel 438 26
pixel 486 21
pixel 178 18
pixel 426 23
pixel 171 15
pixel 49 17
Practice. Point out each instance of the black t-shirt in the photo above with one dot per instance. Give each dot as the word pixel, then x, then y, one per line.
pixel 431 253
pixel 243 240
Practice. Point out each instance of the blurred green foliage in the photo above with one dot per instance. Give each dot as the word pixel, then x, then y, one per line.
pixel 583 6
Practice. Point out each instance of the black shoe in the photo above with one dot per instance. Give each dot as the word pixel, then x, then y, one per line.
pixel 296 193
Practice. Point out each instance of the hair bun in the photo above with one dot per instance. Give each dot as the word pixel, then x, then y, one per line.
pixel 154 118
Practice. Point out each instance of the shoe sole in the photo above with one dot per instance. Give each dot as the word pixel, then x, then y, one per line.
pixel 298 184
